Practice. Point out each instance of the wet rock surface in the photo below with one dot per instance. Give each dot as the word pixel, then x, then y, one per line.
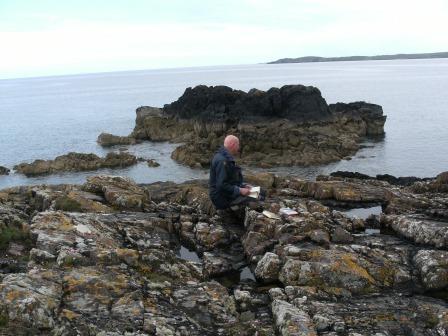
pixel 287 126
pixel 109 258
pixel 72 162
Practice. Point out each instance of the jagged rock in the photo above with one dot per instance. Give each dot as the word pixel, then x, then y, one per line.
pixel 107 140
pixel 292 321
pixel 76 162
pixel 419 229
pixel 341 236
pixel 4 170
pixel 210 236
pixel 268 268
pixel 119 192
pixel 31 301
pixel 433 268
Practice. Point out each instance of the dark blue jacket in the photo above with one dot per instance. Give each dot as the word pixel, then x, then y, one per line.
pixel 225 179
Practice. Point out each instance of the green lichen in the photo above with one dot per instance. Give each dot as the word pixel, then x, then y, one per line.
pixel 9 234
pixel 65 203
pixel 4 320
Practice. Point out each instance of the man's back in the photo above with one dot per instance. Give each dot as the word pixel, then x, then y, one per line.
pixel 225 179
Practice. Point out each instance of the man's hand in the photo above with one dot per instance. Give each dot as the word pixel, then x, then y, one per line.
pixel 244 191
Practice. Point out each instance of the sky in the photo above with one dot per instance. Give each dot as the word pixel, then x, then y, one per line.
pixel 49 37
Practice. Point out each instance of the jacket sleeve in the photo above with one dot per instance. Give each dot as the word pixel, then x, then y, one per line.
pixel 222 183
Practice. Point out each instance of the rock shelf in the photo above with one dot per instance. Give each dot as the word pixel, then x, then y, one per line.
pixel 102 258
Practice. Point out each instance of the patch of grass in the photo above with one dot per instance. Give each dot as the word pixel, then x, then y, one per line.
pixel 8 234
pixel 4 320
pixel 65 203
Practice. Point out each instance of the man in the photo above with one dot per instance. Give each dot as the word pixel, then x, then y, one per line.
pixel 226 180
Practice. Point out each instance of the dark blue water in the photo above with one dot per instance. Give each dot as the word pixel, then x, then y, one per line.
pixel 50 116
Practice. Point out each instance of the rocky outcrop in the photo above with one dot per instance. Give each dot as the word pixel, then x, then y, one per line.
pixel 108 258
pixel 292 125
pixel 223 104
pixel 72 162
pixel 4 170
pixel 108 140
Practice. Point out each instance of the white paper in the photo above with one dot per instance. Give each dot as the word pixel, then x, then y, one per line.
pixel 288 212
pixel 270 214
pixel 255 192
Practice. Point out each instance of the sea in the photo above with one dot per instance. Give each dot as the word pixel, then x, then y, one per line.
pixel 41 118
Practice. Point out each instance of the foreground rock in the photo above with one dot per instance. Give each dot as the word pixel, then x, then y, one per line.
pixel 108 258
pixel 73 162
pixel 292 125
pixel 4 170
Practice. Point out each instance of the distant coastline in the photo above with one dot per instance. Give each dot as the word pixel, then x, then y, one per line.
pixel 310 59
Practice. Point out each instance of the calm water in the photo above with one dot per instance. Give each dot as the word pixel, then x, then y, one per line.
pixel 46 117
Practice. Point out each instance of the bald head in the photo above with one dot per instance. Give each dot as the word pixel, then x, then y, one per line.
pixel 232 144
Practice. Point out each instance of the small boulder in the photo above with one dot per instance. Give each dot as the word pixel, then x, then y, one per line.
pixel 268 267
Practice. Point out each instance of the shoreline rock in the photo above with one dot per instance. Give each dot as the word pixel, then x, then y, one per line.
pixel 115 258
pixel 287 126
pixel 109 140
pixel 4 170
pixel 75 162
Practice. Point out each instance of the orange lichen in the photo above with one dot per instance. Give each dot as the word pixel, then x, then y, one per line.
pixel 68 314
pixel 13 295
pixel 347 263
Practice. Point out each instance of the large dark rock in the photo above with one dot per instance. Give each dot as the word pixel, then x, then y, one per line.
pixel 221 103
pixel 371 114
pixel 4 170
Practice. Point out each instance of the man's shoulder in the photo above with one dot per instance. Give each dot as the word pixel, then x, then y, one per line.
pixel 220 158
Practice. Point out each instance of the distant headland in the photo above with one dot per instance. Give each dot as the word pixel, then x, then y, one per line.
pixel 309 59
